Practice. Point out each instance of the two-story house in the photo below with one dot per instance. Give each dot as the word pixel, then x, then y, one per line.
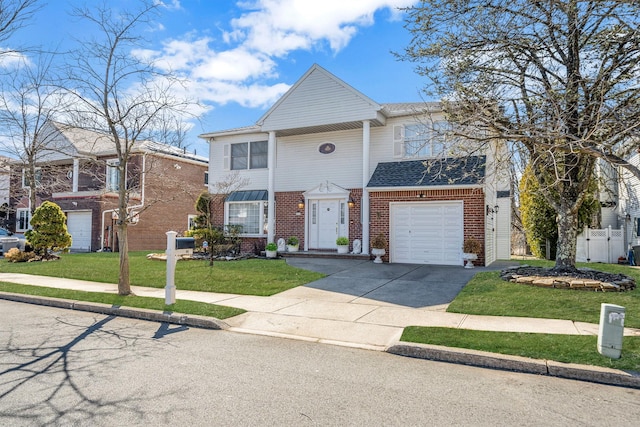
pixel 327 161
pixel 78 171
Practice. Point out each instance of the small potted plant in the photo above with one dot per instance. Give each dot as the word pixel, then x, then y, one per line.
pixel 470 250
pixel 271 250
pixel 378 245
pixel 293 244
pixel 343 244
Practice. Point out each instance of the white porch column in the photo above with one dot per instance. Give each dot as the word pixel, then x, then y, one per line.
pixel 271 209
pixel 76 172
pixel 364 202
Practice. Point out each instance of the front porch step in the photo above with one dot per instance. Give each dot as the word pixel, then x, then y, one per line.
pixel 323 254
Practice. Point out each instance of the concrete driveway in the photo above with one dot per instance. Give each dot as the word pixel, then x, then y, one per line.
pixel 409 285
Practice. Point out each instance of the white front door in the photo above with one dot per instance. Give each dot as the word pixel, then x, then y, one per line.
pixel 325 224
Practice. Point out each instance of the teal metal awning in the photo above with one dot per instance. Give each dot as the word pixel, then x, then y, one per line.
pixel 248 196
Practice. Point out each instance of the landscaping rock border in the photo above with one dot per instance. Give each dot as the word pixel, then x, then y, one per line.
pixel 584 279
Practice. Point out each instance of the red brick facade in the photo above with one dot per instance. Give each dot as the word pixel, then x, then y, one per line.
pixel 172 185
pixel 290 219
pixel 474 214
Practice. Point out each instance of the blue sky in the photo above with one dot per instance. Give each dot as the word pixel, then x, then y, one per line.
pixel 241 56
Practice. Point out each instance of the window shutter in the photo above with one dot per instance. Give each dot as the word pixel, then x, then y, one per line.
pixel 398 141
pixel 226 156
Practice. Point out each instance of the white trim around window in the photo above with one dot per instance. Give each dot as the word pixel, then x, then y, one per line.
pixel 250 215
pixel 22 219
pixel 25 184
pixel 112 175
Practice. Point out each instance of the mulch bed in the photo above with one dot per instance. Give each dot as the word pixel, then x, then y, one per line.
pixel 579 279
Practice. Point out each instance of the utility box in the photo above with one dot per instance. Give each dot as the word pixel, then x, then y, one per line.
pixel 611 330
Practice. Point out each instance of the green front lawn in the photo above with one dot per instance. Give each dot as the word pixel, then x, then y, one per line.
pixel 248 277
pixel 581 349
pixel 180 306
pixel 487 294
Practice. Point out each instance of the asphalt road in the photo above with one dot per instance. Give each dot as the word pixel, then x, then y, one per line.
pixel 61 367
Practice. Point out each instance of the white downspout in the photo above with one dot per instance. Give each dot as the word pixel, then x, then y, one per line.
pixel 76 171
pixel 271 208
pixel 364 203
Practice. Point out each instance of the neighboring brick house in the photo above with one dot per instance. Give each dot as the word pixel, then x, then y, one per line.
pixel 327 161
pixel 78 172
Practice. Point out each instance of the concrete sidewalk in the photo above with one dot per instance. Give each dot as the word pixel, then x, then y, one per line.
pixel 333 317
pixel 363 316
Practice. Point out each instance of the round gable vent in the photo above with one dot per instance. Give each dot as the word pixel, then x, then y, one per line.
pixel 327 148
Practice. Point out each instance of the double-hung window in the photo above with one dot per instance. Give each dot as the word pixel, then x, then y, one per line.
pixel 113 175
pixel 424 140
pixel 25 178
pixel 249 155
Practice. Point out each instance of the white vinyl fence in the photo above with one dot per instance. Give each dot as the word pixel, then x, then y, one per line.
pixel 600 245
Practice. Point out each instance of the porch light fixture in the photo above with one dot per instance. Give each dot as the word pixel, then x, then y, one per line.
pixel 301 204
pixel 351 202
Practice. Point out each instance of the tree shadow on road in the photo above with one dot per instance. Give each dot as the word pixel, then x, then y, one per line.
pixel 63 379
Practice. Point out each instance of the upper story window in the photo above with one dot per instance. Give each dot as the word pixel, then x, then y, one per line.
pixel 420 139
pixel 206 178
pixel 246 155
pixel 113 175
pixel 25 178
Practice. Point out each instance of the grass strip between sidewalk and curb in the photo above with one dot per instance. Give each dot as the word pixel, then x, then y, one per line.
pixel 579 349
pixel 255 276
pixel 181 306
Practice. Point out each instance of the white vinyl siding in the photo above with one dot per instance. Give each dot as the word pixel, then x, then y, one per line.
pixel 318 100
pixel 300 165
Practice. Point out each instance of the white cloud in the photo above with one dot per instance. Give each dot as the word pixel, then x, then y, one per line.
pixel 278 26
pixel 13 59
pixel 240 66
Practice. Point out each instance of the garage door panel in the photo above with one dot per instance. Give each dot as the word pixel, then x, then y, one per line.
pixel 79 226
pixel 427 233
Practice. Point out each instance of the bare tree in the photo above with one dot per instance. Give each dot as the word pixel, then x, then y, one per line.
pixel 120 95
pixel 14 15
pixel 557 78
pixel 29 101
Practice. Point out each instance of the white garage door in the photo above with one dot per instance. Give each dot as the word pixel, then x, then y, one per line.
pixel 79 226
pixel 426 233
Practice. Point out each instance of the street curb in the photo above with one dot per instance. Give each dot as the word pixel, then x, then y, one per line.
pixel 114 310
pixel 484 359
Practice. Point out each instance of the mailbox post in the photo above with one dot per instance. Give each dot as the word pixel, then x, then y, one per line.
pixel 176 247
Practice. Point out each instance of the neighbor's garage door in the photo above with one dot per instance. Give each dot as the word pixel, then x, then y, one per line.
pixel 426 232
pixel 79 226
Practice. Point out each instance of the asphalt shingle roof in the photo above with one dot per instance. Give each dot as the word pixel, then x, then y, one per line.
pixel 426 173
